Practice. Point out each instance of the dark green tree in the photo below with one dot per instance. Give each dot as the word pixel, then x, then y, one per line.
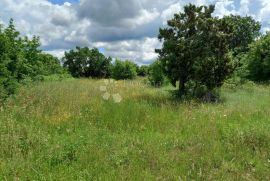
pixel 122 70
pixel 258 59
pixel 10 57
pixel 85 62
pixel 156 76
pixel 243 31
pixel 143 70
pixel 21 58
pixel 195 49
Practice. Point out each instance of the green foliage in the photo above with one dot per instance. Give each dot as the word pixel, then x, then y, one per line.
pixel 195 48
pixel 143 70
pixel 122 70
pixel 243 31
pixel 21 59
pixel 258 59
pixel 85 62
pixel 156 75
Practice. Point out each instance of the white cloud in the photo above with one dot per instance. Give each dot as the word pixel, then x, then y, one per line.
pixel 244 7
pixel 141 51
pixel 144 17
pixel 168 13
pixel 49 21
pixel 58 53
pixel 225 7
pixel 265 11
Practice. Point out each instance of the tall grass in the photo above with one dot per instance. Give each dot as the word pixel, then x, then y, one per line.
pixel 67 131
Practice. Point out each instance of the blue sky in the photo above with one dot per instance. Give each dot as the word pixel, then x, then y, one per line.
pixel 125 29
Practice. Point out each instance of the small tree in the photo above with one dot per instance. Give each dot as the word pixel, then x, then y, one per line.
pixel 122 70
pixel 156 74
pixel 243 31
pixel 258 59
pixel 143 70
pixel 85 62
pixel 195 48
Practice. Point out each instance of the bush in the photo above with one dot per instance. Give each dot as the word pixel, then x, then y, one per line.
pixel 258 59
pixel 156 77
pixel 122 70
pixel 143 70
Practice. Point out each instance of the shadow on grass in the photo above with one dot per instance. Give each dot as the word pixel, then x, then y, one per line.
pixel 172 98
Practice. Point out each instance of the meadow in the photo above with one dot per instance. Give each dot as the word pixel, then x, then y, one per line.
pixel 67 130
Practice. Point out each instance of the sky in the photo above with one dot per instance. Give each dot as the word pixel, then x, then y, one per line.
pixel 124 29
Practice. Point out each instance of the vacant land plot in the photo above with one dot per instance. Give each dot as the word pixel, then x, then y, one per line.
pixel 102 130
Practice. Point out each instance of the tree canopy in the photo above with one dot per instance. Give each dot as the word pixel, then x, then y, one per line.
pixel 122 70
pixel 156 75
pixel 195 48
pixel 258 60
pixel 86 62
pixel 243 31
pixel 21 58
pixel 143 70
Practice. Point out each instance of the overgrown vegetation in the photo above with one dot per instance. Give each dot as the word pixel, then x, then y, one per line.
pixel 21 59
pixel 143 70
pixel 124 129
pixel 66 131
pixel 258 60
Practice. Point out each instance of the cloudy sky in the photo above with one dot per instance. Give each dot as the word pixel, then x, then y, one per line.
pixel 125 29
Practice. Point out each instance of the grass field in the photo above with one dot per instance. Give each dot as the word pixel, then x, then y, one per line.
pixel 68 131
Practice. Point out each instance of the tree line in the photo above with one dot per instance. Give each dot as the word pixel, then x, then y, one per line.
pixel 199 53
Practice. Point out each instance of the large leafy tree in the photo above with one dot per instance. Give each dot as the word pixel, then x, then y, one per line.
pixel 195 48
pixel 85 62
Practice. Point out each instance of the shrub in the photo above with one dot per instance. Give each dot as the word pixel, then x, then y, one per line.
pixel 143 70
pixel 258 59
pixel 156 77
pixel 122 70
